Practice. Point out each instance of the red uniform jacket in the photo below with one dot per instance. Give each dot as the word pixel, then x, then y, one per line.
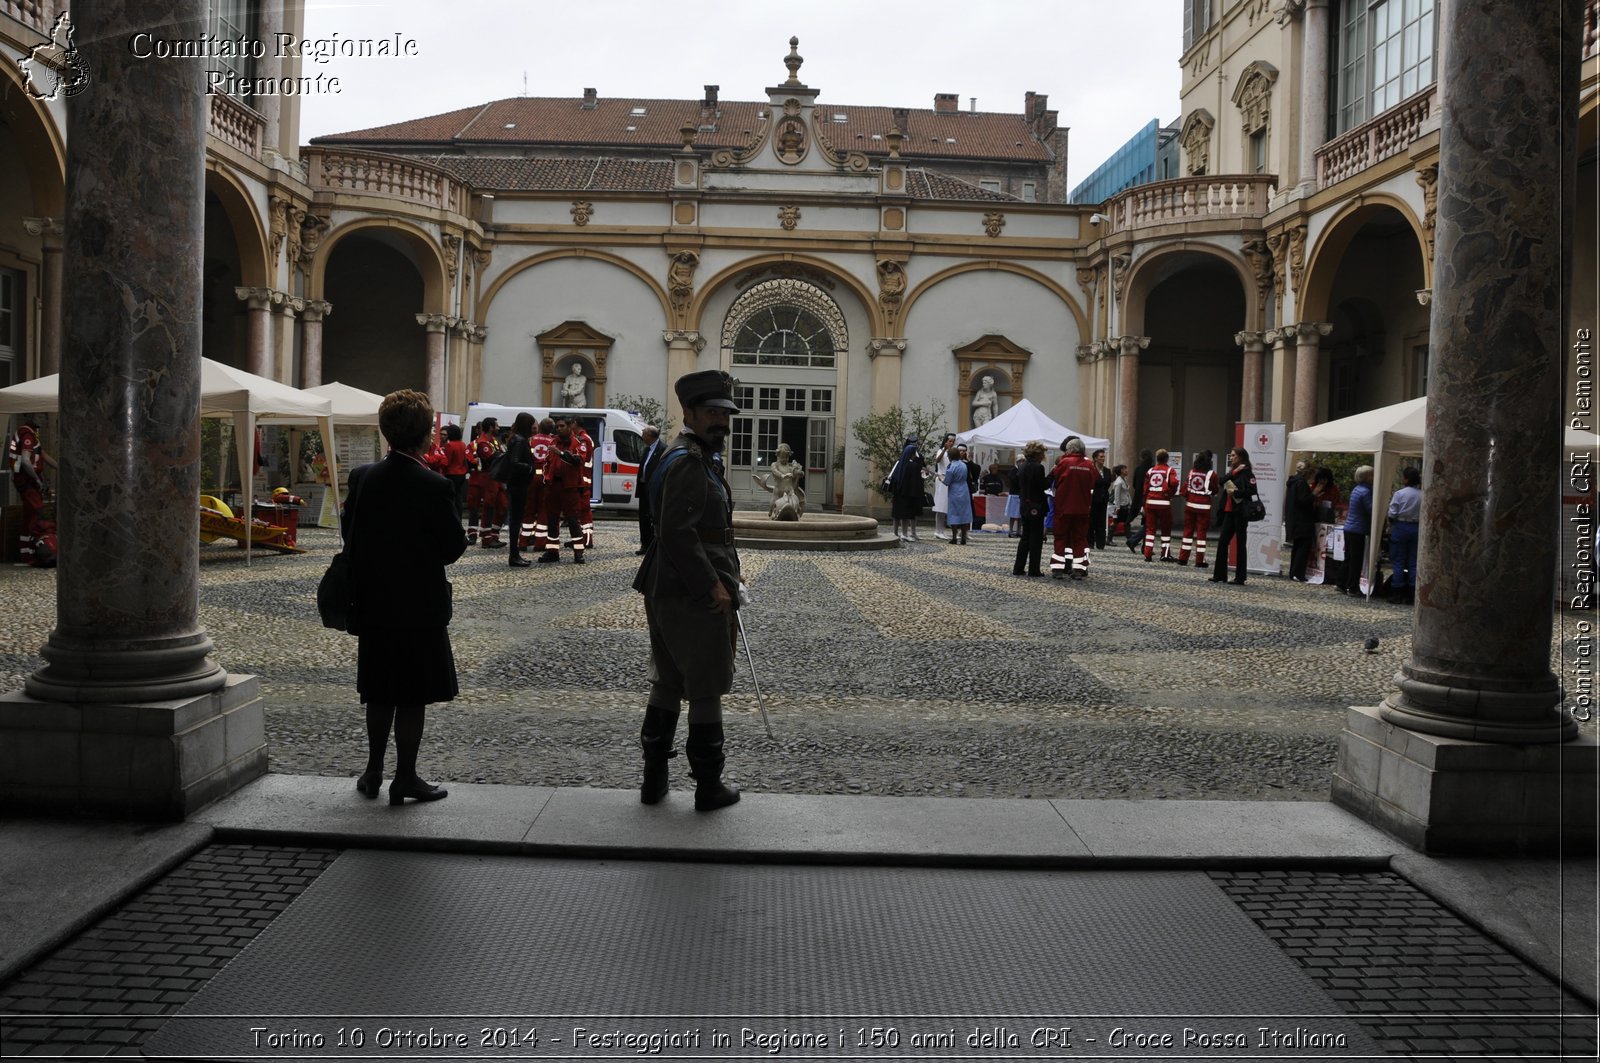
pixel 1075 477
pixel 484 448
pixel 542 444
pixel 1160 486
pixel 1199 487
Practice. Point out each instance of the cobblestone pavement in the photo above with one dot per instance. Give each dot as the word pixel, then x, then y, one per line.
pixel 1418 980
pixel 925 670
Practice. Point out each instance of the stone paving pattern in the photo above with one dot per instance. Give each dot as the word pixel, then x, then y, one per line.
pixel 1420 981
pixel 148 958
pixel 927 670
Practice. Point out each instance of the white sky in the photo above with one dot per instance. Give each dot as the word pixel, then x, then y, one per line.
pixel 1108 66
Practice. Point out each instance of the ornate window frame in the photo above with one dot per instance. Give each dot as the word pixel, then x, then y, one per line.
pixel 793 292
pixel 1196 141
pixel 1253 96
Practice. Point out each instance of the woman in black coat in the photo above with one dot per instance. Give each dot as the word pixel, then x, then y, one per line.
pixel 1299 522
pixel 1238 491
pixel 906 487
pixel 401 528
pixel 1031 486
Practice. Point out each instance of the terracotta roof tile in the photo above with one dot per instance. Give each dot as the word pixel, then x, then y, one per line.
pixel 565 121
pixel 931 184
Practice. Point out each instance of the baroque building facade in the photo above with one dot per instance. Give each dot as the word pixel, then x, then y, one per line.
pixel 839 260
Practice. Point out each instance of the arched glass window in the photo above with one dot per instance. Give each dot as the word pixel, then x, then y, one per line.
pixel 785 322
pixel 783 335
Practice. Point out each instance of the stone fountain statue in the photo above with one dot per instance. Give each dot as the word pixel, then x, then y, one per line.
pixel 785 478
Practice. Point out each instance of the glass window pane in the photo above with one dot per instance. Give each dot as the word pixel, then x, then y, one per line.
pixel 769 399
pixel 739 448
pixel 766 439
pixel 817 439
pixel 821 400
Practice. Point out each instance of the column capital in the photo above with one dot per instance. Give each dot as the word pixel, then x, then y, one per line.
pixel 1290 11
pixel 1130 346
pixel 1089 352
pixel 288 305
pixel 684 337
pixel 888 346
pixel 315 309
pixel 1251 340
pixel 52 229
pixel 1311 331
pixel 1424 296
pixel 255 298
pixel 436 322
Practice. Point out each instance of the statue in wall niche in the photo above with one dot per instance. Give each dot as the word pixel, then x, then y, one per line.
pixel 575 389
pixel 985 402
pixel 785 478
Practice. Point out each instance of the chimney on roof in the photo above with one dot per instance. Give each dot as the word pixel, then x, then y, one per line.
pixel 591 99
pixel 946 103
pixel 1028 104
pixel 974 107
pixel 902 118
pixel 711 96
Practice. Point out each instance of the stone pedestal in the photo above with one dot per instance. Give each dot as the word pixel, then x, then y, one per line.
pixel 1453 795
pixel 131 760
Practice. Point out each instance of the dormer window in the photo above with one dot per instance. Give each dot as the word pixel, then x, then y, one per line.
pixel 633 129
pixel 637 112
pixel 949 140
pixel 841 117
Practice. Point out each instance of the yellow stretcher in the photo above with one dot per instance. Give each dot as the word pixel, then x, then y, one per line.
pixel 218 522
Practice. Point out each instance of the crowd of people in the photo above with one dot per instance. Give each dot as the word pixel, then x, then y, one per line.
pixel 1082 503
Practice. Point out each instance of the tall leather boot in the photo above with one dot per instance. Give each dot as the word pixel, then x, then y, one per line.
pixel 703 748
pixel 655 738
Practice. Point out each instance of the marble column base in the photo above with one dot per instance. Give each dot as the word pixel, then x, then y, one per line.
pixel 148 760
pixel 1455 796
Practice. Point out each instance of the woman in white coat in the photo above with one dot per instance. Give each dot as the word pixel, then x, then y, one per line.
pixel 941 491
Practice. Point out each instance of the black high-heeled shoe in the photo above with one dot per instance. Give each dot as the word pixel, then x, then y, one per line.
pixel 369 784
pixel 415 789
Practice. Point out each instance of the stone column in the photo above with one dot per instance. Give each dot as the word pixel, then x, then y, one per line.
pixel 259 303
pixel 283 360
pixel 50 232
pixel 683 347
pixel 1313 92
pixel 1127 350
pixel 885 354
pixel 1280 397
pixel 436 326
pixel 1255 346
pixel 270 65
pixel 1307 366
pixel 129 715
pixel 311 341
pixel 1465 757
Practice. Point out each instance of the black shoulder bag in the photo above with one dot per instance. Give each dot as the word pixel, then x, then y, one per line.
pixel 335 595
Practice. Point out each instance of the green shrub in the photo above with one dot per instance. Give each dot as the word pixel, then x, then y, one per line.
pixel 881 436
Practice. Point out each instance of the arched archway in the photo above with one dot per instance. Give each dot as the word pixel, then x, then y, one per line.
pixel 588 254
pixel 1151 270
pixel 1190 302
pixel 1363 278
pixel 235 256
pixel 377 286
pixel 780 265
pixel 32 205
pixel 1041 279
pixel 416 245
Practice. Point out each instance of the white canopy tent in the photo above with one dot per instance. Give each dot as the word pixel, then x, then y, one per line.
pixel 1022 424
pixel 224 392
pixel 1388 434
pixel 350 405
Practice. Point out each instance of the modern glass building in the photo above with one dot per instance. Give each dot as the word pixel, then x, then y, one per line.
pixel 1137 162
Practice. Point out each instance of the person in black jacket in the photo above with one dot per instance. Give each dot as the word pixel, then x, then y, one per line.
pixel 519 455
pixel 401 528
pixel 1300 522
pixel 1141 474
pixel 1099 500
pixel 652 450
pixel 1238 491
pixel 1030 486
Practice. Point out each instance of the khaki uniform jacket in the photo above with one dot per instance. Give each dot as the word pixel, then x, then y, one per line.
pixel 693 547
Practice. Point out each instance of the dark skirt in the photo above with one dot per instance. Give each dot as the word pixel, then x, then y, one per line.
pixel 405 668
pixel 907 506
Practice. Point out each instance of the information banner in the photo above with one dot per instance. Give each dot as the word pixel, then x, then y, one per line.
pixel 1265 443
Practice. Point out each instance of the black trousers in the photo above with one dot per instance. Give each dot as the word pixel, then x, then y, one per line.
pixel 1097 525
pixel 1233 526
pixel 1300 555
pixel 517 496
pixel 647 526
pixel 1031 546
pixel 1355 558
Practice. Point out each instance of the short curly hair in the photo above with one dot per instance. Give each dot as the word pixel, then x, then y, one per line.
pixel 405 419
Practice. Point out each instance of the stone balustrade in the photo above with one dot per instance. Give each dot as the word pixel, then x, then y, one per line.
pixel 31 13
pixel 236 124
pixel 1591 29
pixel 1374 140
pixel 370 173
pixel 1187 199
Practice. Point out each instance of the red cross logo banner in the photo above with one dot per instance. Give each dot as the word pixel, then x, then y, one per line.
pixel 1263 439
pixel 627 485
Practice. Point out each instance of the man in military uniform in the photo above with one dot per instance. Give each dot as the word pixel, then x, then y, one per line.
pixel 690 582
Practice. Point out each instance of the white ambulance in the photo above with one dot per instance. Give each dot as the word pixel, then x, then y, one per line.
pixel 618 446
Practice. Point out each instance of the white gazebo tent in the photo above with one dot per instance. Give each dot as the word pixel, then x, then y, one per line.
pixel 1022 424
pixel 1388 434
pixel 224 392
pixel 350 405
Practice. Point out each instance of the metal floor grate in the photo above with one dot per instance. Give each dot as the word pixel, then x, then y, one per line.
pixel 401 938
